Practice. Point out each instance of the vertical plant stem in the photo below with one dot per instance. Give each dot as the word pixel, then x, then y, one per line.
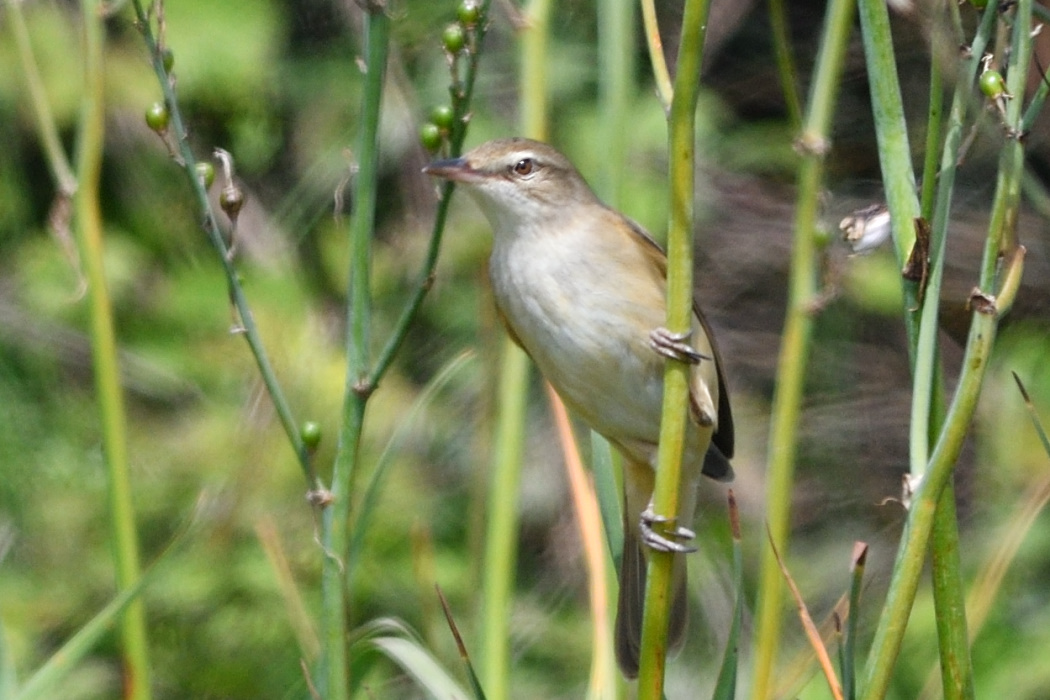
pixel 334 679
pixel 104 352
pixel 891 131
pixel 928 405
pixel 616 91
pixel 908 566
pixel 616 81
pixel 681 147
pixel 502 532
pixel 798 328
pixel 950 601
pixel 785 61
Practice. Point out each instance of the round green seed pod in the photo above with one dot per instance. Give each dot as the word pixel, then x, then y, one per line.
pixel 454 38
pixel 442 116
pixel 430 137
pixel 310 433
pixel 205 173
pixel 157 117
pixel 468 13
pixel 992 84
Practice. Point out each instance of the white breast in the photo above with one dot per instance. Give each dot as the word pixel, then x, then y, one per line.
pixel 584 314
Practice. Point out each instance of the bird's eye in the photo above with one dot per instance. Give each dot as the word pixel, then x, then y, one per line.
pixel 525 166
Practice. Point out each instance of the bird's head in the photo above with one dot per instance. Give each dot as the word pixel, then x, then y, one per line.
pixel 518 183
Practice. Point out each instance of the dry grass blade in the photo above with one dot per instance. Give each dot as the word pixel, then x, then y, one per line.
pixel 295 608
pixel 603 666
pixel 1038 424
pixel 475 684
pixel 812 633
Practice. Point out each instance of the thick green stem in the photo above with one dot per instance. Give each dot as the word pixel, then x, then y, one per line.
pixel 797 337
pixel 334 679
pixel 681 146
pixel 88 218
pixel 891 131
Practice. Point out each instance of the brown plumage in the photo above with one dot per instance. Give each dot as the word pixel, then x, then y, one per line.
pixel 582 289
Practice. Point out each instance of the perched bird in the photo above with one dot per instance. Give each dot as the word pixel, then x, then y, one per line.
pixel 582 289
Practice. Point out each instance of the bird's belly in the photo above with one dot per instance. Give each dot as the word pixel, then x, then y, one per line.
pixel 589 338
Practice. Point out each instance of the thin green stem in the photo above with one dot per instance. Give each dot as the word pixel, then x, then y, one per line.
pixel 461 101
pixel 501 536
pixel 615 93
pixel 785 61
pixel 948 593
pixel 925 355
pixel 797 336
pixel 247 327
pixel 950 601
pixel 61 170
pixel 334 677
pixel 668 487
pixel 89 227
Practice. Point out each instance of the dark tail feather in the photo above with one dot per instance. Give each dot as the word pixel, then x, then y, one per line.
pixel 632 602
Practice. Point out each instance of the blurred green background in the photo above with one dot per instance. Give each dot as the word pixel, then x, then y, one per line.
pixel 277 85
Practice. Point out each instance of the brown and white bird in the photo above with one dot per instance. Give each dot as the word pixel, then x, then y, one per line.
pixel 582 289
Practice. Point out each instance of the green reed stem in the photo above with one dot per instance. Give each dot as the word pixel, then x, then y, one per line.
pixel 797 336
pixel 681 147
pixel 89 232
pixel 1002 229
pixel 501 550
pixel 334 678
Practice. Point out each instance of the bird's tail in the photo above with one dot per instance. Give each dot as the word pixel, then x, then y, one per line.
pixel 633 571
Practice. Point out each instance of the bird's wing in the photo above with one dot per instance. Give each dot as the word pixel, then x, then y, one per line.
pixel 723 438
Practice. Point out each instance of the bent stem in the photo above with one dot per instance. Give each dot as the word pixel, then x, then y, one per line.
pixel 798 330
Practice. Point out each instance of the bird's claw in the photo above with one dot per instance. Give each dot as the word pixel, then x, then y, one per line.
pixel 674 346
pixel 672 541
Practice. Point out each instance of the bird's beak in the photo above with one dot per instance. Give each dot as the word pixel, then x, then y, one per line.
pixel 455 169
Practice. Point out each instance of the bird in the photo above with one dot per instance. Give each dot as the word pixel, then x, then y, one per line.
pixel 582 290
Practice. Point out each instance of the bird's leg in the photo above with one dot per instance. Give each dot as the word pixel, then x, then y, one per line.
pixel 664 543
pixel 675 346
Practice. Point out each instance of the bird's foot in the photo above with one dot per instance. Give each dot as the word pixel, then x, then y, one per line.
pixel 675 346
pixel 672 541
